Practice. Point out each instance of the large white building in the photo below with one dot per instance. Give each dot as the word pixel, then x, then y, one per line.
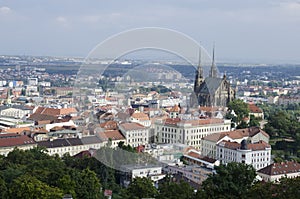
pixel 257 154
pixel 135 133
pixel 188 131
pixel 252 135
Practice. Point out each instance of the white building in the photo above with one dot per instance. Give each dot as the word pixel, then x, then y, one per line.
pixel 15 111
pixel 140 118
pixel 188 131
pixel 276 171
pixel 72 146
pixel 252 135
pixel 154 172
pixel 258 154
pixel 135 133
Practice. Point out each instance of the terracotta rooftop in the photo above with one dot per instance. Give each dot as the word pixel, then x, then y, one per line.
pixel 175 108
pixel 132 126
pixel 109 125
pixel 114 135
pixel 236 134
pixel 261 145
pixel 13 139
pixel 17 130
pixel 55 111
pixel 140 116
pixel 254 109
pixel 281 168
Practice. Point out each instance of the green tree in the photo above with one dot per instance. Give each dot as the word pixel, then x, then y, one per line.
pixel 87 184
pixel 140 188
pixel 230 181
pixel 3 189
pixel 28 187
pixel 240 108
pixel 173 190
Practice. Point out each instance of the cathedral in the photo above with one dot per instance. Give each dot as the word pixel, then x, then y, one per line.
pixel 213 90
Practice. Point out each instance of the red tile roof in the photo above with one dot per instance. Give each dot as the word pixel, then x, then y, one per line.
pixel 17 130
pixel 281 168
pixel 261 145
pixel 140 116
pixel 254 109
pixel 132 126
pixel 114 135
pixel 13 139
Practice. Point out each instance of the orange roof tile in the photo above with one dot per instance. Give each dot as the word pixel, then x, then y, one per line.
pixel 132 126
pixel 140 116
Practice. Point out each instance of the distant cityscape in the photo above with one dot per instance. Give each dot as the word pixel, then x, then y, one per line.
pixel 145 107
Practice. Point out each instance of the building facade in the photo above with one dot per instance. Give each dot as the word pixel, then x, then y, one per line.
pixel 258 154
pixel 212 91
pixel 188 131
pixel 135 133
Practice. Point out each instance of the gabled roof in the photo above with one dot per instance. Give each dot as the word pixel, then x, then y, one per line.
pixel 132 126
pixel 280 168
pixel 210 85
pixel 114 135
pixel 55 111
pixel 140 116
pixel 236 134
pixel 13 139
pixel 254 109
pixel 261 145
pixel 61 143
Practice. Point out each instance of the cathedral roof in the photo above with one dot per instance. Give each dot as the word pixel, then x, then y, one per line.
pixel 210 85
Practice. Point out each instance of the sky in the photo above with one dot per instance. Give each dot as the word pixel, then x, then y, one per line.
pixel 263 31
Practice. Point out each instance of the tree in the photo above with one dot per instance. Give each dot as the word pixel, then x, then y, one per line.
pixel 87 184
pixel 240 108
pixel 3 189
pixel 140 188
pixel 28 187
pixel 173 190
pixel 230 181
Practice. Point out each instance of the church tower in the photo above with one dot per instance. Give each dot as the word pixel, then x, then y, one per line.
pixel 213 71
pixel 199 76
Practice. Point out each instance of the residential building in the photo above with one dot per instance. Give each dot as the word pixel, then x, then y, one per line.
pixel 274 172
pixel 257 154
pixel 135 133
pixel 71 145
pixel 255 111
pixel 112 137
pixel 140 118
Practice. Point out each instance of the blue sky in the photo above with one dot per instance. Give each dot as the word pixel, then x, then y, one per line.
pixel 248 30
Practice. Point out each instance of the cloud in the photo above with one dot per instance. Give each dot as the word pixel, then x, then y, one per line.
pixel 5 10
pixel 61 19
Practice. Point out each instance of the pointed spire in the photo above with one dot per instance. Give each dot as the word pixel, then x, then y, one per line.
pixel 199 75
pixel 213 70
pixel 200 69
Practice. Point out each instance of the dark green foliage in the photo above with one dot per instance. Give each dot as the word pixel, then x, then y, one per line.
pixel 173 190
pixel 230 181
pixel 140 188
pixel 28 187
pixel 240 108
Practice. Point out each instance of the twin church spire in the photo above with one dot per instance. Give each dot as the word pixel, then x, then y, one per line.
pixel 213 70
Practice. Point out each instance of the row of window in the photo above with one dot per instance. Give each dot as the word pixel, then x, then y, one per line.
pixel 193 131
